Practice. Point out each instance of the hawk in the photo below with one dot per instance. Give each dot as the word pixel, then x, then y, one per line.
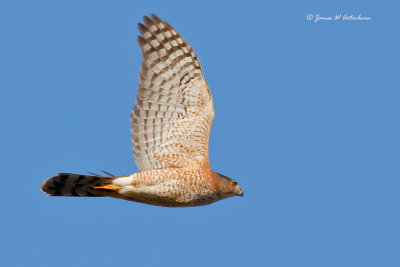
pixel 170 126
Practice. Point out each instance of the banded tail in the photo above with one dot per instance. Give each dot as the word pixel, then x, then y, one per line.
pixel 67 184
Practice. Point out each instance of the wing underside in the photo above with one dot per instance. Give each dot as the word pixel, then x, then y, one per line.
pixel 172 117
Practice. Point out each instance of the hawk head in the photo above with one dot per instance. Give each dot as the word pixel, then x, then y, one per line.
pixel 229 187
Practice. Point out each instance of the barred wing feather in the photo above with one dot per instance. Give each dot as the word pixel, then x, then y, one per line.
pixel 173 114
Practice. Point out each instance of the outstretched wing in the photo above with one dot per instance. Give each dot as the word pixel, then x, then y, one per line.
pixel 172 117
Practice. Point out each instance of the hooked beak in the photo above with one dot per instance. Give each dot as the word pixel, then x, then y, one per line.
pixel 240 193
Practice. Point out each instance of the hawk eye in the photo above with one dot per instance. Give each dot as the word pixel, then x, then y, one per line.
pixel 234 184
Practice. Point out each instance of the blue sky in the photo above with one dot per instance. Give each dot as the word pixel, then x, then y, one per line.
pixel 307 120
